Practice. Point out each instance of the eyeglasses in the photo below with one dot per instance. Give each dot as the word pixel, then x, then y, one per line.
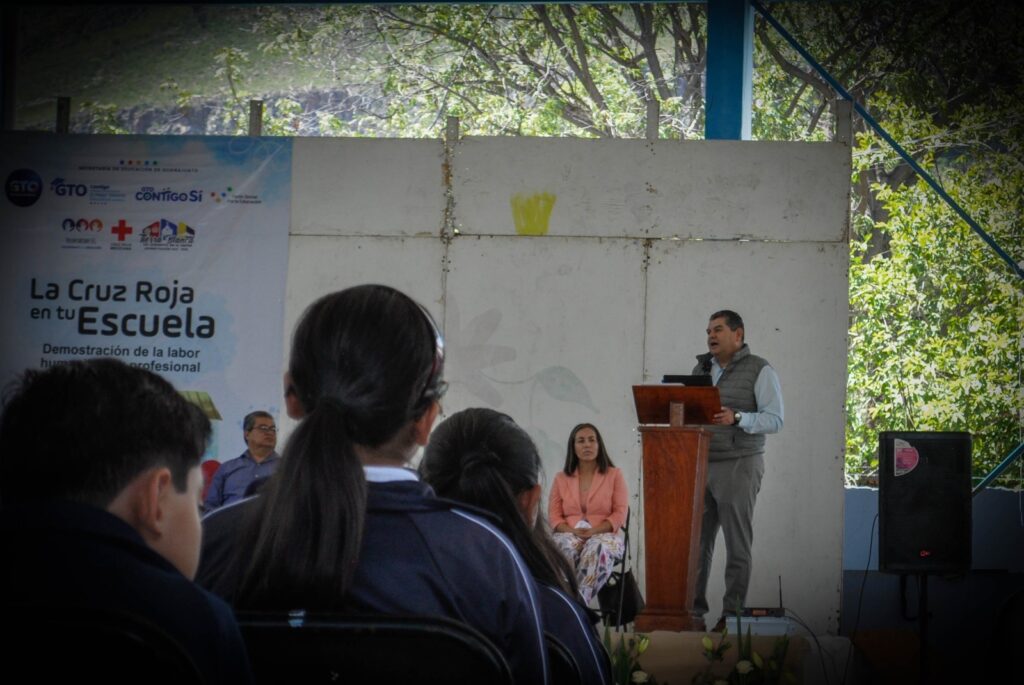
pixel 266 429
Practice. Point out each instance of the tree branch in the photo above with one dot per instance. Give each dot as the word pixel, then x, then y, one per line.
pixel 611 19
pixel 648 40
pixel 694 30
pixel 793 70
pixel 581 71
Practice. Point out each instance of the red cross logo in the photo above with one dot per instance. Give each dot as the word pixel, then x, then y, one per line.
pixel 121 230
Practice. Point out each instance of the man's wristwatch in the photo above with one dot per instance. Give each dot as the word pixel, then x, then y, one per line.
pixel 736 418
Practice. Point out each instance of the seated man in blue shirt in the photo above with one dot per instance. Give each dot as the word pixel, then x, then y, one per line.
pixel 232 480
pixel 100 484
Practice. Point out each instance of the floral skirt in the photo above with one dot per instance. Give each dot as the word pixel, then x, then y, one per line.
pixel 593 558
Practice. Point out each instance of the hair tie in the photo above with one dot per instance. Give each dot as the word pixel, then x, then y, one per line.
pixel 481 457
pixel 331 401
pixel 346 419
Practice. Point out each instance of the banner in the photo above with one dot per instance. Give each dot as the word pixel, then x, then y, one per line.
pixel 168 253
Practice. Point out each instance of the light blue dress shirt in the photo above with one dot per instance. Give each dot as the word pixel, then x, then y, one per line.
pixel 767 394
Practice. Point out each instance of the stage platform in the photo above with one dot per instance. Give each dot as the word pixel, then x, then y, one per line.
pixel 675 658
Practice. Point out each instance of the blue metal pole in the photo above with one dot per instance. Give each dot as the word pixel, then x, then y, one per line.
pixel 730 70
pixel 1016 268
pixel 1005 464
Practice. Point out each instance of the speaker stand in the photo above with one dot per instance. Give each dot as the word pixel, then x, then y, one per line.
pixel 922 620
pixel 922 627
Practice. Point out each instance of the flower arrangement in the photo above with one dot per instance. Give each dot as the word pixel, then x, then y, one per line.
pixel 751 668
pixel 625 657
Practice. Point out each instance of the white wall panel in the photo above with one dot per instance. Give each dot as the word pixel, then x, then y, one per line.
pixel 690 189
pixel 367 187
pixel 793 300
pixel 549 330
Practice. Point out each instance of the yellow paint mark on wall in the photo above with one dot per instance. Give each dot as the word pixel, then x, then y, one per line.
pixel 531 212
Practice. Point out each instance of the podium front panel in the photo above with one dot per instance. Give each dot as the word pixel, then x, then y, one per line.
pixel 675 474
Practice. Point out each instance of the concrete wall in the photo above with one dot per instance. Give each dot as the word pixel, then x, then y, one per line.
pixel 565 271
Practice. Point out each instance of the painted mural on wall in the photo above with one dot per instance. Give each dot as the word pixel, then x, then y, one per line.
pixel 471 344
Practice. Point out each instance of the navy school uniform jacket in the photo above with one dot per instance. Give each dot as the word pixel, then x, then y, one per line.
pixel 567 620
pixel 420 555
pixel 61 554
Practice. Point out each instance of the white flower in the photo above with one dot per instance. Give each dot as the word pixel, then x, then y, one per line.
pixel 744 667
pixel 640 677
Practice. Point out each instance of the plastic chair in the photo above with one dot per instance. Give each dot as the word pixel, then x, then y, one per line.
pixel 296 647
pixel 71 644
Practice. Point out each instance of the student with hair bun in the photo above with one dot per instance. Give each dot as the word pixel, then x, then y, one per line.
pixel 483 458
pixel 343 525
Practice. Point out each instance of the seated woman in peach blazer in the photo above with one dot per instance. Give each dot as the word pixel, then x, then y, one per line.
pixel 587 508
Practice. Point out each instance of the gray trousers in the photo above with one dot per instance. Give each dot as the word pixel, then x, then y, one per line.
pixel 729 500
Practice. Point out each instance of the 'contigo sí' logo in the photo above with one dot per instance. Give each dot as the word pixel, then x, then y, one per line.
pixel 151 194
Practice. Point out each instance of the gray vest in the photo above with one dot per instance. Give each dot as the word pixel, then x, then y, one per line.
pixel 736 387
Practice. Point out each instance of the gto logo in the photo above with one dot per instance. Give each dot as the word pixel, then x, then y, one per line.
pixel 80 225
pixel 64 189
pixel 23 187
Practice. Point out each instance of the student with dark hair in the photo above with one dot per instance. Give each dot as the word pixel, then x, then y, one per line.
pixel 587 508
pixel 100 484
pixel 343 525
pixel 483 458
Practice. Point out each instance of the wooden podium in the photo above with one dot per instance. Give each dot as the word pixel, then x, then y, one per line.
pixel 675 468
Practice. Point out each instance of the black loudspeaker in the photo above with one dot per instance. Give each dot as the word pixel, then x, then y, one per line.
pixel 924 502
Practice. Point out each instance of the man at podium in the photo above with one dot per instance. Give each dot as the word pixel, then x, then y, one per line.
pixel 751 408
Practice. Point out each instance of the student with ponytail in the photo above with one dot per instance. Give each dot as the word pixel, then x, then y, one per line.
pixel 343 525
pixel 483 458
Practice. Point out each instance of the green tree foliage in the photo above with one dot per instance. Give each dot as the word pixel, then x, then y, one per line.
pixel 937 319
pixel 585 70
